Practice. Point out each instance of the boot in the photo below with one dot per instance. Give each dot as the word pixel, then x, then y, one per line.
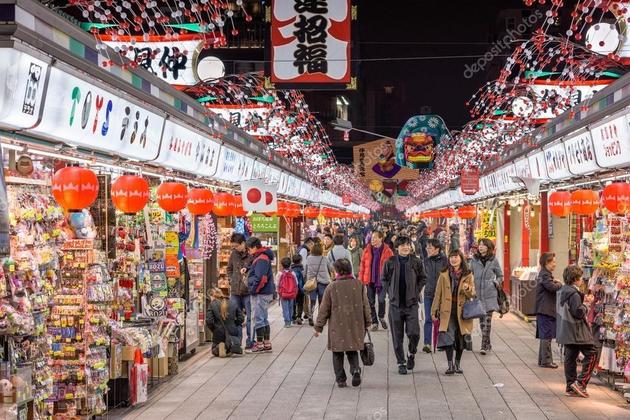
pixel 451 368
pixel 458 369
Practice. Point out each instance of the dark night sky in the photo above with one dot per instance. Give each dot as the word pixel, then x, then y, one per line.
pixel 410 28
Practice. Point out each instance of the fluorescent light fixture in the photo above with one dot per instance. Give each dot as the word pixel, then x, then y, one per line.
pixel 344 100
pixel 59 156
pixel 17 148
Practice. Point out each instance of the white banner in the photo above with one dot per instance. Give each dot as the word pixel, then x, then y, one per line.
pixel 234 166
pixel 556 162
pixel 612 142
pixel 580 153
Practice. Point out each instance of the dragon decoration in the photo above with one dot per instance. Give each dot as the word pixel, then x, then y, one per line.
pixel 544 76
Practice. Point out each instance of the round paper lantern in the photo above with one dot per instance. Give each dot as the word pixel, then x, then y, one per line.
pixel 311 212
pixel 130 193
pixel 238 209
pixel 223 204
pixel 172 196
pixel 282 208
pixel 616 197
pixel 294 210
pixel 584 202
pixel 328 213
pixel 447 213
pixel 560 203
pixel 200 201
pixel 74 188
pixel 467 212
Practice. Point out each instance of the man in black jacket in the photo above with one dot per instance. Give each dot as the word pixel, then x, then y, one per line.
pixel 546 289
pixel 574 332
pixel 239 294
pixel 434 264
pixel 404 278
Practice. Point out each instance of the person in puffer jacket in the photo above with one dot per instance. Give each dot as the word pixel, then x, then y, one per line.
pixel 574 332
pixel 261 289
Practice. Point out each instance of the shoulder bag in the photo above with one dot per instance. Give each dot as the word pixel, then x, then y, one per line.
pixel 367 354
pixel 311 282
pixel 472 309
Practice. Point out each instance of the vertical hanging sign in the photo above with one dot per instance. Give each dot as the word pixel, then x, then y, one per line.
pixel 310 43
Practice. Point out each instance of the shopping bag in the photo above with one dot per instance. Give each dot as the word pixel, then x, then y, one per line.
pixel 139 379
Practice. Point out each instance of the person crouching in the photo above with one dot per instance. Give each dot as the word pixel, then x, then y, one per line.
pixel 225 320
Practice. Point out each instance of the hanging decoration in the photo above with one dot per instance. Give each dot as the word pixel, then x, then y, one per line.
pixel 584 202
pixel 130 193
pixel 200 201
pixel 74 188
pixel 560 203
pixel 223 204
pixel 208 234
pixel 616 197
pixel 311 212
pixel 172 196
pixel 467 212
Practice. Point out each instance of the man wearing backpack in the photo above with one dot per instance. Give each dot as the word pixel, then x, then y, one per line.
pixel 287 289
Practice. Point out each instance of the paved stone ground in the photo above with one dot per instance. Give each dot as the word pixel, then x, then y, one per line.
pixel 296 382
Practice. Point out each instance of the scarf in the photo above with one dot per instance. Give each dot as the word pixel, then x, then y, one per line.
pixel 456 276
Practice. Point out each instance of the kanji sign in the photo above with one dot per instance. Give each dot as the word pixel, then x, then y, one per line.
pixel 310 42
pixel 262 223
pixel 469 181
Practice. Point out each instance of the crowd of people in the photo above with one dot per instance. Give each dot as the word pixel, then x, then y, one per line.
pixel 350 277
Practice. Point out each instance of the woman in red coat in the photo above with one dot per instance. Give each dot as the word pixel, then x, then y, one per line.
pixel 372 262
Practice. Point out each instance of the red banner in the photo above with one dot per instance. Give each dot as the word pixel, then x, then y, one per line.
pixel 469 181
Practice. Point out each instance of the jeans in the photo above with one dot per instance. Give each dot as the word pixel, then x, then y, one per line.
pixel 571 353
pixel 401 320
pixel 428 321
pixel 371 292
pixel 316 295
pixel 287 310
pixel 260 307
pixel 353 360
pixel 244 304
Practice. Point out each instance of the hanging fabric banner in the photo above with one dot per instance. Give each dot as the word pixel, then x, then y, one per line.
pixel 258 196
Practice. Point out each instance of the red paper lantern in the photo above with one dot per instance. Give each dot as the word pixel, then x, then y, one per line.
pixel 282 208
pixel 172 196
pixel 130 193
pixel 560 203
pixel 311 212
pixel 200 201
pixel 238 209
pixel 293 210
pixel 223 204
pixel 74 188
pixel 584 202
pixel 328 213
pixel 447 213
pixel 467 212
pixel 616 197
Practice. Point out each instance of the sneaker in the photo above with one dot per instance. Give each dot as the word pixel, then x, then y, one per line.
pixel 249 346
pixel 570 393
pixel 411 362
pixel 222 351
pixel 356 378
pixel 267 347
pixel 256 348
pixel 550 366
pixel 375 327
pixel 287 325
pixel 427 349
pixel 577 388
pixel 383 323
pixel 483 351
pixel 402 369
pixel 342 384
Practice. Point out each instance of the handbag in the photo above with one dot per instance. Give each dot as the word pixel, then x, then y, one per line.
pixel 311 282
pixel 472 309
pixel 367 354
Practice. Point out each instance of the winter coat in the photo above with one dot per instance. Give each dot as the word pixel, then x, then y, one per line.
pixel 571 325
pixel 415 280
pixel 487 278
pixel 433 266
pixel 237 261
pixel 346 308
pixel 318 266
pixel 355 255
pixel 443 301
pixel 298 270
pixel 260 278
pixel 421 247
pixel 546 289
pixel 454 241
pixel 233 322
pixel 338 252
pixel 365 273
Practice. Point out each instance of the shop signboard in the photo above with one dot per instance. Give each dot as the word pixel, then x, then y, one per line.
pixel 79 113
pixel 537 165
pixel 234 166
pixel 274 176
pixel 283 182
pixel 580 153
pixel 556 162
pixel 469 181
pixel 377 160
pixel 310 43
pixel 263 224
pixel 255 120
pixel 259 170
pixel 611 141
pixel 522 168
pixel 22 78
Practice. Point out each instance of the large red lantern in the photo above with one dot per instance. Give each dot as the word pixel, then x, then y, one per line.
pixel 328 213
pixel 74 188
pixel 223 204
pixel 130 193
pixel 560 203
pixel 311 212
pixel 172 196
pixel 238 209
pixel 616 197
pixel 200 201
pixel 282 208
pixel 467 212
pixel 447 213
pixel 584 202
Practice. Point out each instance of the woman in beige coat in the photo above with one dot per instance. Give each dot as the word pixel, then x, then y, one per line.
pixel 346 309
pixel 455 285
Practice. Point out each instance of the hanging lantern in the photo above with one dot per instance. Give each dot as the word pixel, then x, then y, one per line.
pixel 200 201
pixel 293 210
pixel 311 212
pixel 584 202
pixel 328 213
pixel 467 212
pixel 130 193
pixel 74 188
pixel 238 209
pixel 282 208
pixel 560 203
pixel 223 204
pixel 447 213
pixel 616 197
pixel 172 196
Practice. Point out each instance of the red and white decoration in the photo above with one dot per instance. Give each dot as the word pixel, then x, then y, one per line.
pixel 259 197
